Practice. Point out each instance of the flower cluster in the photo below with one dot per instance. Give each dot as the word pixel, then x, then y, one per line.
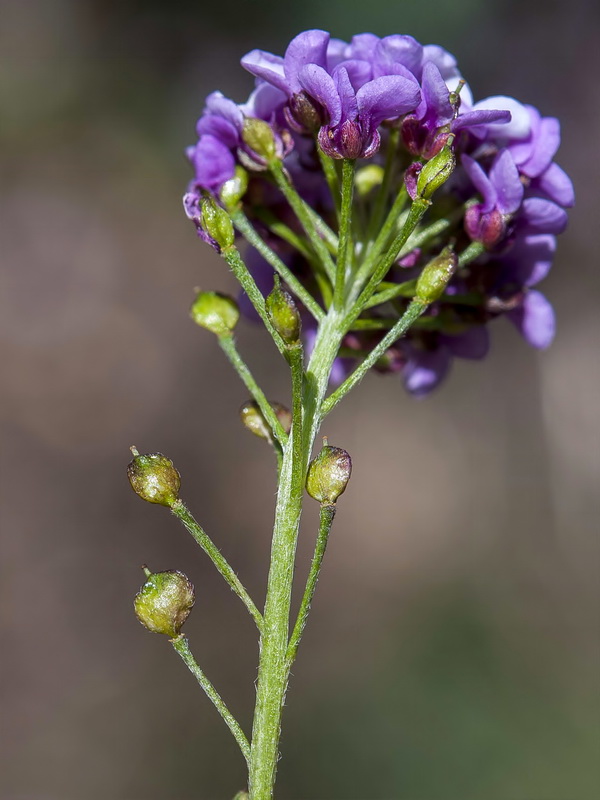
pixel 392 106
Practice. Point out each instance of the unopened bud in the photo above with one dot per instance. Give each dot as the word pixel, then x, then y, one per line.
pixel 328 474
pixel 216 312
pixel 235 188
pixel 154 478
pixel 436 172
pixel 217 224
pixel 259 137
pixel 368 178
pixel 283 313
pixel 253 419
pixel 164 602
pixel 435 277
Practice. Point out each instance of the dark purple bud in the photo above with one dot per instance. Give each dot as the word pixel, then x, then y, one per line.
pixel 412 134
pixel 305 113
pixel 350 139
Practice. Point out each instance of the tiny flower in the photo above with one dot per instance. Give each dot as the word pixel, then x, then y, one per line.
pixel 164 602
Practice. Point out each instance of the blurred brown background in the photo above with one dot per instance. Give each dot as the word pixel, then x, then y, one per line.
pixel 453 652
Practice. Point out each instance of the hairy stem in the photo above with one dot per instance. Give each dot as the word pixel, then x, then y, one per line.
pixel 220 562
pixel 345 248
pixel 325 522
pixel 181 646
pixel 229 348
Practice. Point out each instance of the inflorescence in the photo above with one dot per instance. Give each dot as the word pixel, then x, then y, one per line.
pixel 402 113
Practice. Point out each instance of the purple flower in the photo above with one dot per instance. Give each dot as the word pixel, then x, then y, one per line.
pixel 352 117
pixel 427 130
pixel 502 193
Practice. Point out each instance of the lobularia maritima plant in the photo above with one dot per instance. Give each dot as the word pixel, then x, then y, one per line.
pixel 389 219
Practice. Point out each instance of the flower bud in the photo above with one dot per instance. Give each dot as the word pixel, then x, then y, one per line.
pixel 436 172
pixel 253 419
pixel 164 602
pixel 328 474
pixel 154 478
pixel 259 137
pixel 368 178
pixel 241 796
pixel 216 312
pixel 283 313
pixel 216 223
pixel 435 276
pixel 235 188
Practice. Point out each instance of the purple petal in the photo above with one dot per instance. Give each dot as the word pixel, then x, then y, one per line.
pixel 543 215
pixel 474 343
pixel 530 259
pixel 398 49
pixel 268 67
pixel 346 94
pixel 264 101
pixel 336 53
pixel 425 370
pixel 309 47
pixel 535 320
pixel 213 162
pixel 481 182
pixel 482 117
pixel 363 46
pixel 358 71
pixel 546 144
pixel 504 175
pixel 321 86
pixel 519 126
pixel 522 147
pixel 435 100
pixel 557 185
pixel 386 98
pixel 217 103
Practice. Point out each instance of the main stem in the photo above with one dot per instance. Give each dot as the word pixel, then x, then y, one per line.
pixel 273 669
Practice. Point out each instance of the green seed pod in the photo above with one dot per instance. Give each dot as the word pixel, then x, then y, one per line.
pixel 435 276
pixel 259 137
pixel 283 313
pixel 328 474
pixel 241 796
pixel 235 188
pixel 436 172
pixel 154 478
pixel 368 178
pixel 216 312
pixel 164 602
pixel 254 421
pixel 217 223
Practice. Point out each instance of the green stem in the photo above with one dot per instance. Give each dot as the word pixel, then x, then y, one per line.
pixel 248 284
pixel 331 176
pixel 390 292
pixel 242 223
pixel 304 216
pixel 325 522
pixel 212 551
pixel 470 253
pixel 384 189
pixel 414 310
pixel 229 348
pixel 181 646
pixel 273 670
pixel 380 242
pixel 417 210
pixel 345 248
